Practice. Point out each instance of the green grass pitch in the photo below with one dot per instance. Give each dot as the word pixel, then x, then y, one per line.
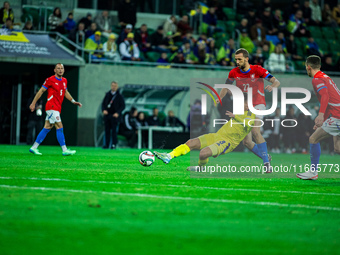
pixel 104 202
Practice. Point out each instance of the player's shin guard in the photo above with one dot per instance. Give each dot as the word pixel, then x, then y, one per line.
pixel 41 136
pixel 263 151
pixel 61 138
pixel 315 152
pixel 203 162
pixel 179 151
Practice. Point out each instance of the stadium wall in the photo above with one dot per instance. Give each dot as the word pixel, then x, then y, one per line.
pixel 95 80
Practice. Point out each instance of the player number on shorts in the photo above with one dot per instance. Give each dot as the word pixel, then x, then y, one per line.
pixel 61 92
pixel 246 86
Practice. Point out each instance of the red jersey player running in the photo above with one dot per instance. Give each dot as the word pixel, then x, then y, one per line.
pixel 328 95
pixel 246 76
pixel 56 87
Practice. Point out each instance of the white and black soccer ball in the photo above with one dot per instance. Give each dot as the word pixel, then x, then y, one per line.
pixel 146 158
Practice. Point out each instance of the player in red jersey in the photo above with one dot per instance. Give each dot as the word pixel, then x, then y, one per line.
pixel 56 87
pixel 246 76
pixel 327 123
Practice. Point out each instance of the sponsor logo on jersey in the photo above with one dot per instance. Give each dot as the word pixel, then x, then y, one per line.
pixel 252 76
pixel 64 85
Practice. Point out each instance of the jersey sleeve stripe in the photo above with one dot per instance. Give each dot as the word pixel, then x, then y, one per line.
pixel 334 104
pixel 267 75
pixel 44 87
pixel 322 88
pixel 319 85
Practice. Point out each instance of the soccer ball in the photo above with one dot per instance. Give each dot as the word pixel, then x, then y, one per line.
pixel 146 158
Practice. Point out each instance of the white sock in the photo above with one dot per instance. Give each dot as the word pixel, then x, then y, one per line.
pixel 64 148
pixel 35 145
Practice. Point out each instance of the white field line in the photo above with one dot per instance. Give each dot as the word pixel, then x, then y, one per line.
pixel 169 185
pixel 177 198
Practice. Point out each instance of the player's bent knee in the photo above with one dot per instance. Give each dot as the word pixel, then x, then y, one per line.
pixel 312 140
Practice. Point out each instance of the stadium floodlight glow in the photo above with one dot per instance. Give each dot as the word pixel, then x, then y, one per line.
pixel 238 99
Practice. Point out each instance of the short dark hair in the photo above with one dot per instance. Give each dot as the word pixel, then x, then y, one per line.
pixel 58 64
pixel 243 51
pixel 314 62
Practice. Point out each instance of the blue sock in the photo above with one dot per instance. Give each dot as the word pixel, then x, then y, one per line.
pixel 42 135
pixel 315 152
pixel 61 137
pixel 263 151
pixel 256 151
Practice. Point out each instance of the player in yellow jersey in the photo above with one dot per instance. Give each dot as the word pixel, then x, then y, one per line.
pixel 223 141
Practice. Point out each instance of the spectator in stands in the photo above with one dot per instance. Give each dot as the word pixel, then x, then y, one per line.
pixel 243 27
pixel 28 26
pixel 129 126
pixel 278 21
pixel 179 58
pixel 266 50
pixel 328 64
pixel 200 52
pixel 87 21
pixel 157 40
pixel 142 38
pixel 297 25
pixel 129 49
pixel 170 43
pixel 94 43
pixel 6 12
pixel 327 18
pixel 258 33
pixel 210 19
pixel 246 42
pixel 110 49
pixel 170 25
pixel 211 55
pixel 267 22
pixel 251 17
pixel 316 13
pixel 91 30
pixel 307 12
pixel 312 47
pixel 112 106
pixel 183 26
pixel 77 35
pixel 163 58
pixel 226 54
pixel 54 21
pixel 172 121
pixel 281 40
pixel 277 60
pixel 188 53
pixel 69 23
pixel 124 33
pixel 292 48
pixel 289 134
pixel 304 131
pixel 258 58
pixel 9 26
pixel 275 135
pixel 336 14
pixel 104 22
pixel 127 13
pixel 154 119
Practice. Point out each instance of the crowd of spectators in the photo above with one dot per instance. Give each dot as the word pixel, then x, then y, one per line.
pixel 268 33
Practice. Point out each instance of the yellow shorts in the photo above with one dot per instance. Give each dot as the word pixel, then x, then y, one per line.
pixel 216 143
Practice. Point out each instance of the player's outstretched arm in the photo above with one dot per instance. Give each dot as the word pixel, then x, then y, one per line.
pixel 275 84
pixel 36 98
pixel 70 98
